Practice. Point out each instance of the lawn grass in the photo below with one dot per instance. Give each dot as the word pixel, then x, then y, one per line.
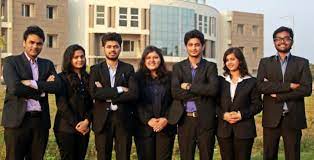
pixel 307 145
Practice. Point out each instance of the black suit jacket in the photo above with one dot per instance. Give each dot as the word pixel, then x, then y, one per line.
pixel 270 81
pixel 15 69
pixel 101 109
pixel 145 109
pixel 247 100
pixel 203 91
pixel 73 103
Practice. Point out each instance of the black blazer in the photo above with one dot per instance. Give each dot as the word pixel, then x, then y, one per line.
pixel 203 90
pixel 101 108
pixel 74 104
pixel 247 100
pixel 270 81
pixel 145 109
pixel 15 69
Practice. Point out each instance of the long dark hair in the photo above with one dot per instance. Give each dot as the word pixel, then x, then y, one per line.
pixel 242 63
pixel 67 67
pixel 161 70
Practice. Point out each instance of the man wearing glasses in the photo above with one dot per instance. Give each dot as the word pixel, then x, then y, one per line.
pixel 285 80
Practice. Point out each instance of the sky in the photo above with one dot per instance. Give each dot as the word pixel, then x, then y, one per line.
pixel 296 14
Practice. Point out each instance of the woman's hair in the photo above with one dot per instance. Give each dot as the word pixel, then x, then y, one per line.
pixel 161 70
pixel 242 63
pixel 67 67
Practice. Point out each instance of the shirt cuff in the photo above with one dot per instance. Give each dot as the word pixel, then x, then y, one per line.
pixel 120 90
pixel 34 84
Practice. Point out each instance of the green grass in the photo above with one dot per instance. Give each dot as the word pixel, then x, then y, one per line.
pixel 307 145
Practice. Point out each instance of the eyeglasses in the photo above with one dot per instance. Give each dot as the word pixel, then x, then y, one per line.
pixel 284 39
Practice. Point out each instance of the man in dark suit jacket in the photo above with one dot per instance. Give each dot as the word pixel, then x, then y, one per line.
pixel 194 88
pixel 113 88
pixel 285 80
pixel 28 81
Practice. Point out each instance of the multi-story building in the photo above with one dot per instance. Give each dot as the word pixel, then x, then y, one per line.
pixel 50 15
pixel 244 30
pixel 162 23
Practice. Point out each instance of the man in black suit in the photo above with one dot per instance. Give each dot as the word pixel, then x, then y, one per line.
pixel 28 81
pixel 113 88
pixel 194 88
pixel 285 80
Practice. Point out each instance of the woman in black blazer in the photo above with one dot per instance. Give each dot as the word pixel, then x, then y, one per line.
pixel 154 136
pixel 71 125
pixel 238 103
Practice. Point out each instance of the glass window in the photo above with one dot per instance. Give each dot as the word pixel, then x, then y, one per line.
pixel 255 30
pixel 240 29
pixel 52 41
pixel 128 46
pixel 51 12
pixel 123 12
pixel 100 15
pixel 134 17
pixel 26 10
pixel 205 24
pixel 254 50
pixel 200 23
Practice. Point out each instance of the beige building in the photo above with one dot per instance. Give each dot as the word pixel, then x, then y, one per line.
pixel 244 30
pixel 50 15
pixel 162 23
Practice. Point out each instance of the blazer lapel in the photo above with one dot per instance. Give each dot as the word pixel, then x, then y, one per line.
pixel 290 66
pixel 119 74
pixel 277 68
pixel 27 66
pixel 200 70
pixel 41 69
pixel 238 89
pixel 104 72
pixel 187 71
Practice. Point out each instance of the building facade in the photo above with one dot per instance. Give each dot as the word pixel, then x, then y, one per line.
pixel 162 23
pixel 246 31
pixel 50 15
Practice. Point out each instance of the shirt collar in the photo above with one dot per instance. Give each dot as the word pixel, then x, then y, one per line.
pixel 109 67
pixel 228 78
pixel 198 64
pixel 29 59
pixel 287 56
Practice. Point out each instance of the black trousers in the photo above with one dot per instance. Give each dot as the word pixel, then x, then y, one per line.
pixel 190 135
pixel 233 148
pixel 28 141
pixel 113 131
pixel 72 146
pixel 291 139
pixel 158 146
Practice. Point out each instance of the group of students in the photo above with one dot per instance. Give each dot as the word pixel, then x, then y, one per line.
pixel 154 104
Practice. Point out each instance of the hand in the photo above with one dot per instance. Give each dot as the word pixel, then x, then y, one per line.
pixel 294 85
pixel 51 78
pixel 185 86
pixel 98 84
pixel 125 89
pixel 161 124
pixel 27 82
pixel 232 117
pixel 274 95
pixel 152 122
pixel 83 127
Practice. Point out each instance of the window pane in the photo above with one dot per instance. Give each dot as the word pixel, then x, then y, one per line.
pixel 134 23
pixel 100 21
pixel 123 11
pixel 134 11
pixel 122 23
pixel 100 8
pixel 126 46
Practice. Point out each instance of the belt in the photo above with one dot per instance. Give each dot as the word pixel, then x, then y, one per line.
pixel 33 114
pixel 191 114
